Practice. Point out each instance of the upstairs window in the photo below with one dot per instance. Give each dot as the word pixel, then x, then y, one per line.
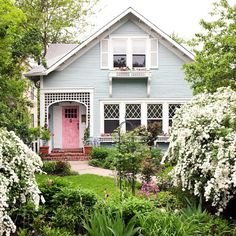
pixel 119 53
pixel 139 53
pixel 119 60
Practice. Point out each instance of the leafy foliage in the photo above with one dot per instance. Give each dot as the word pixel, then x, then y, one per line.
pixel 215 63
pixel 17 42
pixel 59 21
pixel 61 168
pixel 105 223
pixel 131 151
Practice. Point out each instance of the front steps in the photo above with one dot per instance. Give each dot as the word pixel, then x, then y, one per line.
pixel 67 155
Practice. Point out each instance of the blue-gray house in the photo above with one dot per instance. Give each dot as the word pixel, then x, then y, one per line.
pixel 128 70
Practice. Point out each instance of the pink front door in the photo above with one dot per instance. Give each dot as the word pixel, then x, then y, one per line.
pixel 70 127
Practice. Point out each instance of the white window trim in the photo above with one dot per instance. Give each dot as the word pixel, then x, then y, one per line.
pixel 129 54
pixel 122 104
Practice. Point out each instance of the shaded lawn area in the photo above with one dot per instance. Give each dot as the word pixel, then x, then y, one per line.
pixel 98 184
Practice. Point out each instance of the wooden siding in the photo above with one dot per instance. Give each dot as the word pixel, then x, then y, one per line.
pixel 167 82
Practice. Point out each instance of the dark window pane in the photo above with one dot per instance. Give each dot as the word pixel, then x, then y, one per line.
pixel 139 60
pixel 119 60
pixel 110 126
pixel 170 123
pixel 132 124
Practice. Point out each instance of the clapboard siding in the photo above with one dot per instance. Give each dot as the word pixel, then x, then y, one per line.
pixel 129 28
pixel 166 82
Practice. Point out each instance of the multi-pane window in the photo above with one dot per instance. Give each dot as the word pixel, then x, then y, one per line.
pixel 155 114
pixel 133 116
pixel 70 113
pixel 111 117
pixel 139 53
pixel 119 52
pixel 172 111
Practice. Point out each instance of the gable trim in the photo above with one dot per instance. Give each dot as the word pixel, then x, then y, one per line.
pixel 106 28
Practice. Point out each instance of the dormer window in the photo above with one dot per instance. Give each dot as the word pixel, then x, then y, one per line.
pixel 139 52
pixel 119 60
pixel 119 52
pixel 129 52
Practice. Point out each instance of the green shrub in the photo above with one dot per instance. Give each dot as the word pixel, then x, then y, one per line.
pixel 70 218
pixel 130 206
pixel 163 179
pixel 166 199
pixel 48 231
pixel 49 167
pixel 74 197
pixel 99 153
pixel 70 208
pixel 61 168
pixel 95 162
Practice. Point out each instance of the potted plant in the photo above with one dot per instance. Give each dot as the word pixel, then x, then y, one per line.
pixel 45 136
pixel 87 146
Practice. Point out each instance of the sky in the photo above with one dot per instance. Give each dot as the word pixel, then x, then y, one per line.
pixel 179 16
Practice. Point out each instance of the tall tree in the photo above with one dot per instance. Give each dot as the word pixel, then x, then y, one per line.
pixel 215 62
pixel 18 41
pixel 59 21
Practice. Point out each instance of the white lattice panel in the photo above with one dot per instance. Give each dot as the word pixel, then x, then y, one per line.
pixel 83 97
pixel 133 111
pixel 154 111
pixel 111 111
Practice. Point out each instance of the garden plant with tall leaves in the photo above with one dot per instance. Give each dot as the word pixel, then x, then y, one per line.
pixel 215 62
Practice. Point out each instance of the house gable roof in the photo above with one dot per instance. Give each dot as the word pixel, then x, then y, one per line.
pixel 58 54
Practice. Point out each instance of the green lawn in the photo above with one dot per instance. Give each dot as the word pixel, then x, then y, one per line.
pixel 95 183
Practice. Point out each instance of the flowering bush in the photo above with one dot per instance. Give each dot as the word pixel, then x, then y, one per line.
pixel 17 181
pixel 149 188
pixel 203 144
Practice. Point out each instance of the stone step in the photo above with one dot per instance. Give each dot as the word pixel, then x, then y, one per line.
pixel 66 158
pixel 72 150
pixel 66 154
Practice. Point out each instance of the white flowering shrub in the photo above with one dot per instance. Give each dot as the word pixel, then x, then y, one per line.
pixel 18 165
pixel 203 145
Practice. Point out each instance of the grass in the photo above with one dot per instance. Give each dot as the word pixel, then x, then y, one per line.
pixel 98 184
